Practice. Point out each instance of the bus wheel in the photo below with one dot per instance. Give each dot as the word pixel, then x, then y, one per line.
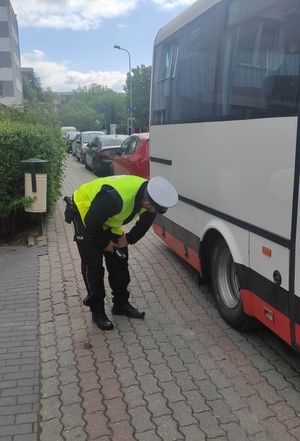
pixel 225 284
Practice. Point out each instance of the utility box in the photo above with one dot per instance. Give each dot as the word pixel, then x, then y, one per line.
pixel 36 185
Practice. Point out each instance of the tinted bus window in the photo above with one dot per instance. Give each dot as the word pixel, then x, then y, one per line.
pixel 187 92
pixel 260 66
pixel 238 60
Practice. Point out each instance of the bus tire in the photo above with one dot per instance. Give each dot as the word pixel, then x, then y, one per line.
pixel 225 285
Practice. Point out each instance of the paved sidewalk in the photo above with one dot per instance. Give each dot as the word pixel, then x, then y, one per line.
pixel 181 374
pixel 19 347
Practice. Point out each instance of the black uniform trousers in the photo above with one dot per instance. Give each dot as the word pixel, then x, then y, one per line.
pixel 93 271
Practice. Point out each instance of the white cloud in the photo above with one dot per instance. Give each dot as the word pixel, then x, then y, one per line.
pixel 60 78
pixel 170 4
pixel 78 15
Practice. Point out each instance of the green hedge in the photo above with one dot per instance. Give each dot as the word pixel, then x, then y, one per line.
pixel 20 141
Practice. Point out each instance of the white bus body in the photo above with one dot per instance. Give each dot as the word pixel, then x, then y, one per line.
pixel 224 130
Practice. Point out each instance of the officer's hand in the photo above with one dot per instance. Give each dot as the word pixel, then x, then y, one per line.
pixel 122 241
pixel 110 247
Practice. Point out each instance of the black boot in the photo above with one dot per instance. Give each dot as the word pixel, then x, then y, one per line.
pixel 128 310
pixel 102 321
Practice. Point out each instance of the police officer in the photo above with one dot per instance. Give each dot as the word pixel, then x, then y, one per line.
pixel 102 206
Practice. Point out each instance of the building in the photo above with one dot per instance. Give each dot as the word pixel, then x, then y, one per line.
pixel 27 73
pixel 61 98
pixel 11 90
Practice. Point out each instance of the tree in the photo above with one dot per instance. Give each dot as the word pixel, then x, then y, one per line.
pixel 33 91
pixel 140 80
pixel 95 107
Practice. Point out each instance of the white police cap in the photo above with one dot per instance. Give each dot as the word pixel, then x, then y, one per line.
pixel 162 194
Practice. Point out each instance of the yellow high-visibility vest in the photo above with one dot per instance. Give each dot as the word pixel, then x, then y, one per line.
pixel 126 186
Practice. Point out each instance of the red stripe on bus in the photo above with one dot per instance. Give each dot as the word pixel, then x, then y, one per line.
pixel 267 314
pixel 176 245
pixel 297 335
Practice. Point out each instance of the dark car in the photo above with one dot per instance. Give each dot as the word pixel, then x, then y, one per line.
pixel 82 141
pixel 101 151
pixel 70 138
pixel 133 157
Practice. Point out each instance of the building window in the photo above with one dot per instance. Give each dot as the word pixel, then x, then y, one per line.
pixel 1 89
pixel 5 59
pixel 4 31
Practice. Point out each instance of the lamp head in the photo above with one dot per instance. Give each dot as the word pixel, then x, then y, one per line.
pixel 116 46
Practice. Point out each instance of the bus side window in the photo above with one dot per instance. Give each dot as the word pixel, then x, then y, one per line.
pixel 260 65
pixel 164 68
pixel 281 87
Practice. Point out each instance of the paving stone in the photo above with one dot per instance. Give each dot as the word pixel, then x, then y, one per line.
pixel 77 434
pixel 50 387
pixel 258 407
pixel 222 411
pixel 167 428
pixel 193 433
pixel 185 381
pixel 50 408
pixel 209 424
pixel 162 372
pixel 141 419
pixel 147 436
pixel 233 399
pixel 122 431
pixel 249 422
pixel 72 417
pixel 116 410
pixel 157 404
pixel 268 393
pixel 182 413
pixel 133 396
pixel 172 391
pixel 70 394
pixel 126 377
pixel 292 398
pixel 277 430
pixel 111 389
pixel 149 384
pixel 283 411
pixel 51 430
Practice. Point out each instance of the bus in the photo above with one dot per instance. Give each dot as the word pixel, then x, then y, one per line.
pixel 224 129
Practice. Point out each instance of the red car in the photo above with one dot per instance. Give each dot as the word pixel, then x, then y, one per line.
pixel 133 156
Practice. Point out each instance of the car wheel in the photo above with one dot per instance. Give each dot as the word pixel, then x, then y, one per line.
pixel 226 288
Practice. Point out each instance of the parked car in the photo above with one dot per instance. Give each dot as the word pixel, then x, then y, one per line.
pixel 82 141
pixel 74 144
pixel 101 151
pixel 70 138
pixel 66 129
pixel 133 156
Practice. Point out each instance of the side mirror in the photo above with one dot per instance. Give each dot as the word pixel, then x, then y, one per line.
pixel 89 144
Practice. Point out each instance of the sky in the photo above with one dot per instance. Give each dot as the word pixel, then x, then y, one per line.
pixel 70 43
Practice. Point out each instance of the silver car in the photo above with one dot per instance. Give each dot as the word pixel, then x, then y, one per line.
pixel 82 141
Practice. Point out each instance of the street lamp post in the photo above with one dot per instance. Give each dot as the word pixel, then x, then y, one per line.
pixel 130 127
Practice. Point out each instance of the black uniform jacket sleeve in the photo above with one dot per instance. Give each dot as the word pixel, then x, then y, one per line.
pixel 141 227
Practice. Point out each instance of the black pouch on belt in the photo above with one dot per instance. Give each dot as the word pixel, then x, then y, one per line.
pixel 70 210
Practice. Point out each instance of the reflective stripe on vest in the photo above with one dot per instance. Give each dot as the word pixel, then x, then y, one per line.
pixel 127 188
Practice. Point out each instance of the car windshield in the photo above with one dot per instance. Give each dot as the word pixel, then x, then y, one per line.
pixel 112 140
pixel 87 137
pixel 71 135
